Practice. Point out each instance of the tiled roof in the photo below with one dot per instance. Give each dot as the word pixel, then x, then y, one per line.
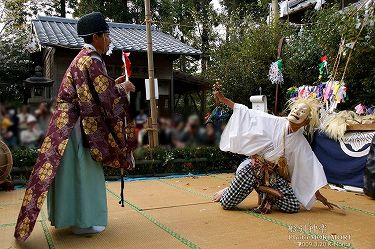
pixel 58 31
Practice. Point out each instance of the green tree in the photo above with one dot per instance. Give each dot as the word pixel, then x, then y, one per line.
pixel 14 57
pixel 238 15
pixel 192 22
pixel 177 17
pixel 242 64
pixel 116 10
pixel 323 37
pixel 243 61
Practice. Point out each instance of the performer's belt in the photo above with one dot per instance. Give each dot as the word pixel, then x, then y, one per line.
pixel 266 171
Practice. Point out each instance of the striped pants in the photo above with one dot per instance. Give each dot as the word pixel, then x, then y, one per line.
pixel 244 183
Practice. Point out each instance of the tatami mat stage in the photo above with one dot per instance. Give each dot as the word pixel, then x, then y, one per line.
pixel 178 213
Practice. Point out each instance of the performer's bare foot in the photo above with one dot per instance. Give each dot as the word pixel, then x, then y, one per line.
pixel 265 201
pixel 264 208
pixel 217 195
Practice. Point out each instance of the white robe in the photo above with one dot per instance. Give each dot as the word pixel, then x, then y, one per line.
pixel 251 132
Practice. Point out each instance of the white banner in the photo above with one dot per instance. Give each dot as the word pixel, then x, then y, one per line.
pixel 147 86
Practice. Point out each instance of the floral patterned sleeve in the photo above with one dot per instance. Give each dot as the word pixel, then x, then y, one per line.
pixel 112 97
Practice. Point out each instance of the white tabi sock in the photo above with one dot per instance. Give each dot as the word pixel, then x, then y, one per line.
pixel 88 230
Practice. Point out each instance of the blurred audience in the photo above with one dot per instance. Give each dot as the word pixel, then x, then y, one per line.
pixel 165 132
pixel 9 127
pixel 24 128
pixel 43 116
pixel 211 136
pixel 176 131
pixel 22 118
pixel 32 136
pixel 28 128
pixel 193 133
pixel 141 119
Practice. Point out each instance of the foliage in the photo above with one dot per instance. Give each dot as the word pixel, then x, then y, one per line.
pixel 15 66
pixel 191 22
pixel 187 160
pixel 157 161
pixel 239 14
pixel 117 11
pixel 24 157
pixel 322 37
pixel 242 62
pixel 14 57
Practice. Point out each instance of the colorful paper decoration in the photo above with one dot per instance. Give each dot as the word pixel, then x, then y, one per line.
pixel 331 93
pixel 275 74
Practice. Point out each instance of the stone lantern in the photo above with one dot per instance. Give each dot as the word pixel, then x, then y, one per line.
pixel 38 87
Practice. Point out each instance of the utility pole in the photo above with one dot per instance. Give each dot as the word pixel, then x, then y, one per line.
pixel 153 132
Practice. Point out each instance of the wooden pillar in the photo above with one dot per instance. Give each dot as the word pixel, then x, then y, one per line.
pixel 150 60
pixel 203 102
pixel 171 95
pixel 186 103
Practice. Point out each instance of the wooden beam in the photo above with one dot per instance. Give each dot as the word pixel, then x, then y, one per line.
pixel 150 62
pixel 171 94
pixel 203 101
pixel 195 104
pixel 178 99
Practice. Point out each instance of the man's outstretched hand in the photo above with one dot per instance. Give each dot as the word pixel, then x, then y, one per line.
pixel 217 195
pixel 324 200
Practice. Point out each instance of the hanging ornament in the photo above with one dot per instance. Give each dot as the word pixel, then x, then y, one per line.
pixel 323 70
pixel 360 109
pixel 275 74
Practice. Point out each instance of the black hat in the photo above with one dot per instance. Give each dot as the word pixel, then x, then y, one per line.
pixel 92 23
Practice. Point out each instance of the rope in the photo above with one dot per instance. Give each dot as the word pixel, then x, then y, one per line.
pixel 340 52
pixel 51 244
pixel 344 206
pixel 272 220
pixel 338 58
pixel 351 51
pixel 358 9
pixel 174 234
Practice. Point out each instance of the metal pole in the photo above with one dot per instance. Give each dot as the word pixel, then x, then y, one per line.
pixel 150 59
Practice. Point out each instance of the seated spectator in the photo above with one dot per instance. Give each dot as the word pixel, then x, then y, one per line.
pixel 211 137
pixel 43 116
pixel 22 118
pixel 176 131
pixel 143 136
pixel 165 129
pixel 141 118
pixel 6 131
pixel 32 135
pixel 193 134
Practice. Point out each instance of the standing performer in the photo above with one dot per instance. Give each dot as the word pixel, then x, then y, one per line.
pixel 86 131
pixel 278 152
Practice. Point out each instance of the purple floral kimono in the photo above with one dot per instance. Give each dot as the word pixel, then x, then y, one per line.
pixel 88 93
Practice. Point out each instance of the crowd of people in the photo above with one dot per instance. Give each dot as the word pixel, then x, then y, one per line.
pixel 23 127
pixel 177 132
